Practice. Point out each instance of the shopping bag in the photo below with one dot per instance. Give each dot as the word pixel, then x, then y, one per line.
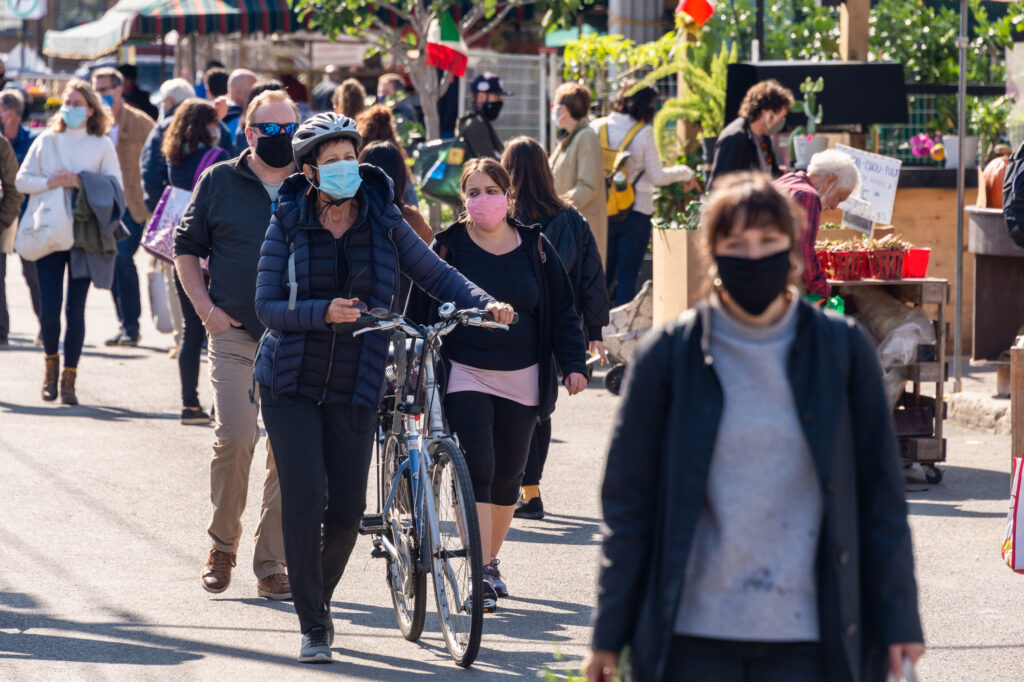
pixel 47 225
pixel 158 303
pixel 1015 523
pixel 158 238
pixel 442 181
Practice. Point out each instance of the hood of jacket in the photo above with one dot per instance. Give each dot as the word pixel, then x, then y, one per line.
pixel 376 196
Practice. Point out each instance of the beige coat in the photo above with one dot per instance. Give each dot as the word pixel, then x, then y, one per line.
pixel 578 166
pixel 133 129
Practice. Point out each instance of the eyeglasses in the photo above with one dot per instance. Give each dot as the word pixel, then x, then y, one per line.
pixel 271 129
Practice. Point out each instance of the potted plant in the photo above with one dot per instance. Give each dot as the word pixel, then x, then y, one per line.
pixel 987 118
pixel 945 125
pixel 803 143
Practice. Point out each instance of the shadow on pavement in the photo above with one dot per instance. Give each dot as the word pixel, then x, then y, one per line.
pixel 568 530
pixel 79 650
pixel 98 412
pixel 963 483
pixel 922 508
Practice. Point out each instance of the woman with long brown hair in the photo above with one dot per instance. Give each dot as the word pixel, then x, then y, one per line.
pixel 501 383
pixel 755 519
pixel 377 124
pixel 75 142
pixel 535 202
pixel 191 145
pixel 349 98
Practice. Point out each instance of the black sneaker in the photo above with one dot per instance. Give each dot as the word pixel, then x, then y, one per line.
pixel 4 341
pixel 195 416
pixel 533 510
pixel 124 339
pixel 316 646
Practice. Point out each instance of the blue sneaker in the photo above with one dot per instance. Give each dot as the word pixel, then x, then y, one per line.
pixel 316 646
pixel 493 576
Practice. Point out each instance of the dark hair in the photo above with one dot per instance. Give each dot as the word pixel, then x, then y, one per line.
pixel 349 98
pixel 390 159
pixel 264 85
pixel 377 124
pixel 533 185
pixel 749 199
pixel 213 64
pixel 115 76
pixel 640 105
pixel 189 128
pixel 575 98
pixel 216 81
pixel 767 95
pixel 128 70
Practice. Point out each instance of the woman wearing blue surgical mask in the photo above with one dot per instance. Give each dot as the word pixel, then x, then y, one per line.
pixel 319 386
pixel 75 142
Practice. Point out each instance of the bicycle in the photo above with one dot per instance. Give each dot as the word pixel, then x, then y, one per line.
pixel 415 532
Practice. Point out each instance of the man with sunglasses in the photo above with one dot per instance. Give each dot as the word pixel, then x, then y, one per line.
pixel 129 132
pixel 226 222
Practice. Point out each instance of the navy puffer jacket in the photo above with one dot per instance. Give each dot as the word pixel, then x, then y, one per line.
pixel 301 353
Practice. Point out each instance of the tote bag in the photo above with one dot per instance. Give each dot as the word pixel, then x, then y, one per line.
pixel 159 236
pixel 1015 523
pixel 441 181
pixel 47 225
pixel 159 304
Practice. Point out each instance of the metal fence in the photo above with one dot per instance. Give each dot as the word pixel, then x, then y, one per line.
pixel 526 111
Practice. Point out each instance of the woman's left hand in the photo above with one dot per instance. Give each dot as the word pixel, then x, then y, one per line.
pixel 502 312
pixel 575 383
pixel 897 652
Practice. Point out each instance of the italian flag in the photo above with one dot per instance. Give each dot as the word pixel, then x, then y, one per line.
pixel 445 48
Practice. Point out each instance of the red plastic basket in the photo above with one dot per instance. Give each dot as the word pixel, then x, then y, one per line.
pixel 849 266
pixel 825 260
pixel 886 264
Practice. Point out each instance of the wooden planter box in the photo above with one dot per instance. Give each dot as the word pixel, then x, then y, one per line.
pixel 679 272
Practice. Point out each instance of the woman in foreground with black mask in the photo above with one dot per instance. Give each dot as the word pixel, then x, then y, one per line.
pixel 754 462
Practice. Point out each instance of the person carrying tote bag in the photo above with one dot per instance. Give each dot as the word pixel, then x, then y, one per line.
pixel 46 226
pixel 75 142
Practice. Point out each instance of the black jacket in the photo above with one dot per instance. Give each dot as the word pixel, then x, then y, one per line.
pixel 736 150
pixel 479 135
pixel 561 335
pixel 570 234
pixel 226 222
pixel 656 478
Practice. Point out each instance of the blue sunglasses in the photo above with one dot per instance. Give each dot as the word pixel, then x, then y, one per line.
pixel 271 129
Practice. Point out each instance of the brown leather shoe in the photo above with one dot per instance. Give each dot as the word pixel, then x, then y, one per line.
pixel 50 377
pixel 275 586
pixel 217 571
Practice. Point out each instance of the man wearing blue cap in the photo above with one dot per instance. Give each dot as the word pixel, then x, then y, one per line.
pixel 476 127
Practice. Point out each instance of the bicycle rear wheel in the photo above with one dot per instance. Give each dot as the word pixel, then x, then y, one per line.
pixel 456 563
pixel 406 583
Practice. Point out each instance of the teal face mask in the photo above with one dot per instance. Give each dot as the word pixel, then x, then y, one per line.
pixel 73 117
pixel 340 179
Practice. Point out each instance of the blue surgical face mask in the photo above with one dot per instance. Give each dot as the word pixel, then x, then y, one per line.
pixel 109 101
pixel 340 179
pixel 74 117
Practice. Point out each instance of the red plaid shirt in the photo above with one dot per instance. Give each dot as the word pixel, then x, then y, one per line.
pixel 798 186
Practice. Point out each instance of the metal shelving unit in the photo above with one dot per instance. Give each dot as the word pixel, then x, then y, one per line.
pixel 919 417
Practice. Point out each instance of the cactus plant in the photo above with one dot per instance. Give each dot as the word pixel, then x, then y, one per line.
pixel 810 89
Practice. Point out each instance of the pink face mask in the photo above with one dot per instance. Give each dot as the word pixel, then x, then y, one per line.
pixel 487 210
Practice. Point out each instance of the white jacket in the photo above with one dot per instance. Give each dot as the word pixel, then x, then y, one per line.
pixel 643 156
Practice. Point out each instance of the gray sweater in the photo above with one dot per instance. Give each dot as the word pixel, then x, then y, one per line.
pixel 750 575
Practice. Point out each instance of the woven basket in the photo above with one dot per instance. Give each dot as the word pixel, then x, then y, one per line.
pixel 849 266
pixel 886 264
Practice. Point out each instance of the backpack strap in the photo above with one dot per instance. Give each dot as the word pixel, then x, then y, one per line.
pixel 633 132
pixel 604 134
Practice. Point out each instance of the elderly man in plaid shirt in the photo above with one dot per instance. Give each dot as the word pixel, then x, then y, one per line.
pixel 830 178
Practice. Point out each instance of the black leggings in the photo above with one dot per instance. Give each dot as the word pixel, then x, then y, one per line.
pixel 192 337
pixel 539 445
pixel 495 434
pixel 695 659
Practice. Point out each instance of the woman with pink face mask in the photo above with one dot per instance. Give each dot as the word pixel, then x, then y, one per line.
pixel 500 383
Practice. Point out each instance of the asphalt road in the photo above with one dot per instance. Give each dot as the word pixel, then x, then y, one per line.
pixel 104 506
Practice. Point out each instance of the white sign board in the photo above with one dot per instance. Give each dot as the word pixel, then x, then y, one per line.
pixel 27 9
pixel 879 176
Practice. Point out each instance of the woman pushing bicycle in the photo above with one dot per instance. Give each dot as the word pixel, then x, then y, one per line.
pixel 336 245
pixel 500 384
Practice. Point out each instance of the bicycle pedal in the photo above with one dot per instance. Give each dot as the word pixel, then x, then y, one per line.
pixel 372 524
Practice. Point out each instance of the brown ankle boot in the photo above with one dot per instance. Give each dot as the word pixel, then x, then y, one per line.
pixel 50 378
pixel 67 386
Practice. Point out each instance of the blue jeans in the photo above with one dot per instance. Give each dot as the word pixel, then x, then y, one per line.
pixel 126 278
pixel 51 298
pixel 627 244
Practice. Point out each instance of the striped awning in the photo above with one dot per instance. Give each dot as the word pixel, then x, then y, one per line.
pixel 96 38
pixel 215 16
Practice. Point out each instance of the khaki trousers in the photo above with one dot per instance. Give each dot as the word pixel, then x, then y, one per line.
pixel 231 358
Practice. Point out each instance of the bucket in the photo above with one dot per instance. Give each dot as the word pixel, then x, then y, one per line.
pixel 915 264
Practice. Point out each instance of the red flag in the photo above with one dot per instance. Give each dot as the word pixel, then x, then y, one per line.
pixel 698 10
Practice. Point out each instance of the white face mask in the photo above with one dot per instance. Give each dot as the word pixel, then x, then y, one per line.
pixel 214 136
pixel 556 114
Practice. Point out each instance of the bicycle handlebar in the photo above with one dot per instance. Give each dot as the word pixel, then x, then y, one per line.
pixel 470 317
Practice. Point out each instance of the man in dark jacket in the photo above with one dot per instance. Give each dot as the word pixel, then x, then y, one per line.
pixel 10 204
pixel 477 127
pixel 226 222
pixel 20 137
pixel 745 144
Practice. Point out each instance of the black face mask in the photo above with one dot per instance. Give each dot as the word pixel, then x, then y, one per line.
pixel 492 110
pixel 754 284
pixel 275 150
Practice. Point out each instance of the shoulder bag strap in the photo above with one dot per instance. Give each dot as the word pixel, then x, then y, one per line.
pixel 205 163
pixel 540 249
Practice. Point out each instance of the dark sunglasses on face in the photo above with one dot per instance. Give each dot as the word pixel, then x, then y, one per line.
pixel 271 129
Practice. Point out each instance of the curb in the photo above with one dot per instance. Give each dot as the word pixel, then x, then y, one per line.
pixel 979 411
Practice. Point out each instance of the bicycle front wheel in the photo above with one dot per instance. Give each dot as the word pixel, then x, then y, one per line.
pixel 407 584
pixel 456 562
